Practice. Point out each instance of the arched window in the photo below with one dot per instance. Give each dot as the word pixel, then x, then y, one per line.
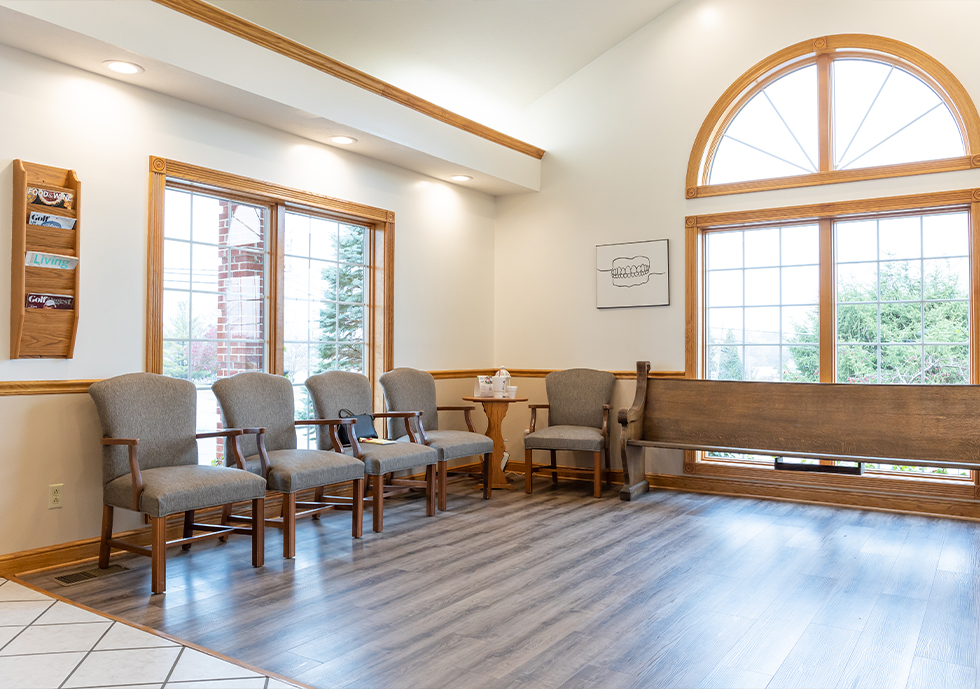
pixel 835 109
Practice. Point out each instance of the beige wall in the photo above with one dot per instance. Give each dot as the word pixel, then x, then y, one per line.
pixel 619 134
pixel 479 282
pixel 106 131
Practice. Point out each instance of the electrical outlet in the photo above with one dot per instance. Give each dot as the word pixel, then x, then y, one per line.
pixel 56 495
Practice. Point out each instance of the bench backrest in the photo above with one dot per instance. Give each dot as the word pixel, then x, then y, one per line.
pixel 927 422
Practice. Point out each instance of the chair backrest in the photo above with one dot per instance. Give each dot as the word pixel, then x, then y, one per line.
pixel 407 389
pixel 576 396
pixel 336 390
pixel 257 400
pixel 159 411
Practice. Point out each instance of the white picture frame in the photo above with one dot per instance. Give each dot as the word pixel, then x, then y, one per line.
pixel 632 274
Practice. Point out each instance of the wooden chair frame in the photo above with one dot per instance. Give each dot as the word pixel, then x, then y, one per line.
pixel 434 484
pixel 293 509
pixel 444 470
pixel 595 472
pixel 157 552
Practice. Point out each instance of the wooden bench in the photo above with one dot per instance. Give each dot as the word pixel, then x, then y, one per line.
pixel 912 425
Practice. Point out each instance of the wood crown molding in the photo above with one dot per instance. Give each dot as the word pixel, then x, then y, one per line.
pixel 44 387
pixel 75 387
pixel 244 29
pixel 820 51
pixel 540 373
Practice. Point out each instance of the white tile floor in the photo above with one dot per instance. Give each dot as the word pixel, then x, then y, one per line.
pixel 49 644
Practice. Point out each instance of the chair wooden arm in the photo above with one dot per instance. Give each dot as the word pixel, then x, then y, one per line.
pixel 534 415
pixel 260 442
pixel 605 423
pixel 467 415
pixel 236 446
pixel 224 433
pixel 332 426
pixel 134 467
pixel 408 416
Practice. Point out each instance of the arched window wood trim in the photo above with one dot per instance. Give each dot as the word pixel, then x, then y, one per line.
pixel 820 51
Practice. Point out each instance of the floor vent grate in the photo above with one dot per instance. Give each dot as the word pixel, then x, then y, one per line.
pixel 89 574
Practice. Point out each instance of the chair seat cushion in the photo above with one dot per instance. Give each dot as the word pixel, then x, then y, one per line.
pixel 382 459
pixel 169 490
pixel 456 444
pixel 293 470
pixel 584 438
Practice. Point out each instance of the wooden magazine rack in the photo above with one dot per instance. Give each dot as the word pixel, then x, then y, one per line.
pixel 43 332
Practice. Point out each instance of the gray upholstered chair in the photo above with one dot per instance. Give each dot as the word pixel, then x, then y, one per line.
pixel 336 390
pixel 149 465
pixel 262 405
pixel 578 420
pixel 407 389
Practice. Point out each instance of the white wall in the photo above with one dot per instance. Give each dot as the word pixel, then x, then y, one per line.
pixel 106 131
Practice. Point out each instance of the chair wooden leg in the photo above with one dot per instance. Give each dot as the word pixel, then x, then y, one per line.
pixel 225 514
pixel 377 515
pixel 258 532
pixel 106 535
pixel 158 554
pixel 554 466
pixel 289 525
pixel 487 475
pixel 597 475
pixel 608 469
pixel 527 471
pixel 430 490
pixel 188 528
pixel 443 485
pixel 318 497
pixel 357 508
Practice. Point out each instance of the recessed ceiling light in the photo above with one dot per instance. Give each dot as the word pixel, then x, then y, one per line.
pixel 123 67
pixel 461 178
pixel 343 140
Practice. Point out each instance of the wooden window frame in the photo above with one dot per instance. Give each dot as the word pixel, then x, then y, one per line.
pixel 279 199
pixel 825 214
pixel 822 52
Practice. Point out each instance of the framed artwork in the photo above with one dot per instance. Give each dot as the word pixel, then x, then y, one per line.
pixel 631 274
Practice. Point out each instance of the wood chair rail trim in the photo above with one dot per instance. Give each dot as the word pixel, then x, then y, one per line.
pixel 249 31
pixel 821 51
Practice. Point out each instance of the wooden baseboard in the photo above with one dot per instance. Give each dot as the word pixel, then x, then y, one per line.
pixel 76 552
pixel 834 497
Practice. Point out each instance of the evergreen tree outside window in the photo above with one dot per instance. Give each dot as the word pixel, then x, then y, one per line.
pixel 325 304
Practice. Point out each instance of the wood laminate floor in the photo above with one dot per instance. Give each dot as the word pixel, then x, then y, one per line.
pixel 560 589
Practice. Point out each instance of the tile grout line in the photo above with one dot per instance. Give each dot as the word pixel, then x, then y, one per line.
pixel 173 667
pixel 85 657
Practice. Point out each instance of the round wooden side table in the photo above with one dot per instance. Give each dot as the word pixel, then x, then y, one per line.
pixel 496 410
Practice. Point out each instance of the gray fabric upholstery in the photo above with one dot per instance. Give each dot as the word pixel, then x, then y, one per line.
pixel 174 489
pixel 160 412
pixel 456 444
pixel 583 438
pixel 382 459
pixel 257 400
pixel 336 390
pixel 407 389
pixel 576 396
pixel 293 470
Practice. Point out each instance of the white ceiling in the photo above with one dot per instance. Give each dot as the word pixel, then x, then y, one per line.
pixel 483 59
